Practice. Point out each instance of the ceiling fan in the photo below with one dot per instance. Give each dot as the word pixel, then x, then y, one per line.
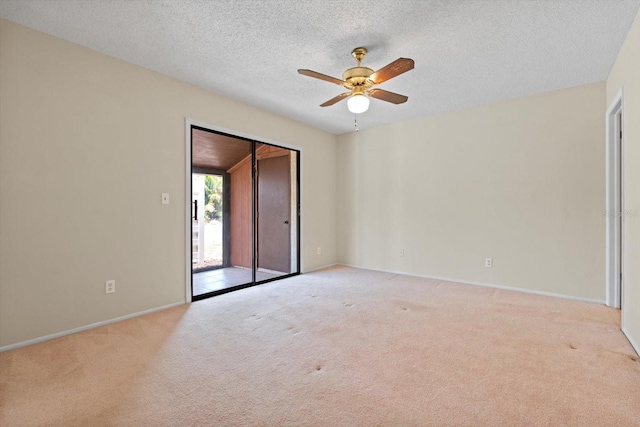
pixel 361 81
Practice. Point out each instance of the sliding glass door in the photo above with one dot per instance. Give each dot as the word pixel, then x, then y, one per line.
pixel 246 228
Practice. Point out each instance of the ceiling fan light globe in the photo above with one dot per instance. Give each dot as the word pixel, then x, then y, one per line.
pixel 358 104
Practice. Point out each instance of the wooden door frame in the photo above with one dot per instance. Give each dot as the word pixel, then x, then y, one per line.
pixel 189 123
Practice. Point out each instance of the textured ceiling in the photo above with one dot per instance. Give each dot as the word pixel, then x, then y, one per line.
pixel 467 52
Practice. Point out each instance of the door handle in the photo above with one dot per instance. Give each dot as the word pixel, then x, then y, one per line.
pixel 195 210
pixel 286 221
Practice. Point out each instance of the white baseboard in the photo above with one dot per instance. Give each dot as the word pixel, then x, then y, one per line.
pixel 486 285
pixel 87 327
pixel 635 345
pixel 465 282
pixel 321 268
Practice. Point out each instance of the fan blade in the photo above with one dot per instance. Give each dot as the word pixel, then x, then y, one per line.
pixel 336 99
pixel 397 67
pixel 385 95
pixel 321 76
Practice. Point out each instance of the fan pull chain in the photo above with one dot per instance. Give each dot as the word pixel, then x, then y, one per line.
pixel 355 122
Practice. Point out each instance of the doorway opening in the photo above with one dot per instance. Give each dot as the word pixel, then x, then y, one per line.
pixel 208 237
pixel 245 212
pixel 615 202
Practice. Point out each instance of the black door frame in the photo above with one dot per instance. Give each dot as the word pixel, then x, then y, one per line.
pixel 254 247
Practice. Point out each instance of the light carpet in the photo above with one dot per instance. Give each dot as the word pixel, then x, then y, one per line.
pixel 339 347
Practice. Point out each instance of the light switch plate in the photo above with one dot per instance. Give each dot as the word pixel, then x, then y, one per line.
pixel 165 198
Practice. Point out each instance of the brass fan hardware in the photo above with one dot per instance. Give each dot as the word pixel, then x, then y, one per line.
pixel 361 80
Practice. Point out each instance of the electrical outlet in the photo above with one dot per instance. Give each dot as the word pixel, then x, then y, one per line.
pixel 401 252
pixel 110 286
pixel 319 250
pixel 488 262
pixel 165 198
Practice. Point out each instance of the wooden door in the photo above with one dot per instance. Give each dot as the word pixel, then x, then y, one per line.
pixel 274 214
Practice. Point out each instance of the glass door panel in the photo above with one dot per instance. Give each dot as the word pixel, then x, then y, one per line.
pixel 277 212
pixel 222 252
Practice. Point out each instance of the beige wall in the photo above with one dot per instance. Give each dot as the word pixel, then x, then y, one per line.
pixel 522 182
pixel 626 74
pixel 87 145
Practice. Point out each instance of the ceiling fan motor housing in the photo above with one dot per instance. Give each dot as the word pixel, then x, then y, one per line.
pixel 357 79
